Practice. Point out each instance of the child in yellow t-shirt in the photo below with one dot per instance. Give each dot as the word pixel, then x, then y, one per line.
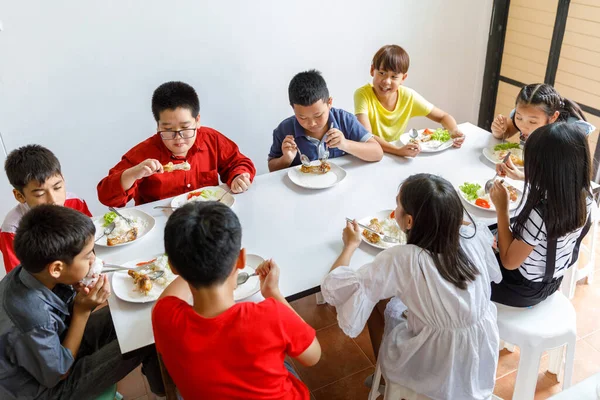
pixel 385 106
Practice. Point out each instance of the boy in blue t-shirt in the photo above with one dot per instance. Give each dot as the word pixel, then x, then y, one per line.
pixel 317 127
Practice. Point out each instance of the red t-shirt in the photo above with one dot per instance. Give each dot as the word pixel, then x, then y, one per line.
pixel 236 355
pixel 11 222
pixel 211 156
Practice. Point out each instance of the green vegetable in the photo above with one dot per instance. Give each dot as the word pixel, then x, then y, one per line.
pixel 506 146
pixel 208 194
pixel 441 135
pixel 470 190
pixel 109 217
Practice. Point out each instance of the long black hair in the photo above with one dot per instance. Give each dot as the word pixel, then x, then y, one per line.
pixel 549 100
pixel 437 217
pixel 557 178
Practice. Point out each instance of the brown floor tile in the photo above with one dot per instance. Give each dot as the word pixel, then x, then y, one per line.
pixel 132 386
pixel 505 386
pixel 587 306
pixel 340 358
pixel 507 362
pixel 349 388
pixel 593 340
pixel 587 363
pixel 144 397
pixel 317 316
pixel 364 342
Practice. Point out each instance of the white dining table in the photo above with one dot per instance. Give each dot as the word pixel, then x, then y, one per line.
pixel 300 228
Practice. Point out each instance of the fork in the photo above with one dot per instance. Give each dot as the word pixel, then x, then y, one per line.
pixel 224 194
pixel 490 183
pixel 385 238
pixel 129 221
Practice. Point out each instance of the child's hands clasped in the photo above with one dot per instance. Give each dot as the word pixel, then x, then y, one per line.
pixel 510 170
pixel 241 183
pixel 88 298
pixel 499 196
pixel 351 235
pixel 336 139
pixel 268 273
pixel 147 168
pixel 499 126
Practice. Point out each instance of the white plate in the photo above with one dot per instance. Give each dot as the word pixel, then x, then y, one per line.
pixel 123 287
pixel 381 215
pixel 317 181
pixel 182 199
pixel 488 152
pixel 426 147
pixel 252 285
pixel 147 224
pixel 511 206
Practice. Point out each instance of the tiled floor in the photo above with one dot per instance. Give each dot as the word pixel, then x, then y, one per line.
pixel 346 362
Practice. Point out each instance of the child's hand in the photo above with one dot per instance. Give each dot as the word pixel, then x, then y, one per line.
pixel 409 150
pixel 499 126
pixel 268 273
pixel 90 298
pixel 351 235
pixel 241 183
pixel 289 148
pixel 336 139
pixel 458 138
pixel 147 168
pixel 499 196
pixel 509 169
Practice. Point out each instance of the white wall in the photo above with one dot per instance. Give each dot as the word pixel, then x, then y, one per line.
pixel 77 76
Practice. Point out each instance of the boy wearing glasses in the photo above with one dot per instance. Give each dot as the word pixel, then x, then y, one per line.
pixel 182 156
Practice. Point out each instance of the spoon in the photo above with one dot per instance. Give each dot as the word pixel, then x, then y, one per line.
pixel 243 277
pixel 229 191
pixel 303 158
pixel 413 134
pixel 490 183
pixel 107 231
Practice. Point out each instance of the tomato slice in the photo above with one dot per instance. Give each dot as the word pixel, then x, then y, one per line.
pixel 145 262
pixel 194 194
pixel 482 203
pixel 393 214
pixel 427 132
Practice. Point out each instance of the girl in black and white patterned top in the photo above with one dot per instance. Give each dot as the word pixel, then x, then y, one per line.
pixel 546 234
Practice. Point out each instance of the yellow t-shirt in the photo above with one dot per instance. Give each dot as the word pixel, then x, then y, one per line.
pixel 389 125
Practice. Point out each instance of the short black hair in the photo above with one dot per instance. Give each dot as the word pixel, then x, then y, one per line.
pixel 306 88
pixel 172 95
pixel 203 241
pixel 30 163
pixel 49 233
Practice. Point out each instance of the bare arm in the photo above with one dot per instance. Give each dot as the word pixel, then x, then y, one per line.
pixel 443 118
pixel 367 151
pixel 275 164
pixel 387 147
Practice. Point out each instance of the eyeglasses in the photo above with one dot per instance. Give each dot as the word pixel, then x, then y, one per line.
pixel 184 134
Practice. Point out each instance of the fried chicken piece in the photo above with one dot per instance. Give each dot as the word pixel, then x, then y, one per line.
pixel 316 169
pixel 371 237
pixel 170 167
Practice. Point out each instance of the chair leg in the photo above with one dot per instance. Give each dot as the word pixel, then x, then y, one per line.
pixel 374 393
pixel 555 362
pixel 320 299
pixel 569 362
pixel 529 364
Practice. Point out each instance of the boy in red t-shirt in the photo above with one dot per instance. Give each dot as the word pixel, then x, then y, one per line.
pixel 216 348
pixel 182 156
pixel 35 174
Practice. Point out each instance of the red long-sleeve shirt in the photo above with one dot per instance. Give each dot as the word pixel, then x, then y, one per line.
pixel 211 156
pixel 11 222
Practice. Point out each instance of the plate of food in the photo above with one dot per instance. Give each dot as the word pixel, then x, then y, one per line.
pixel 252 285
pixel 319 175
pixel 209 193
pixel 430 140
pixel 497 153
pixel 385 223
pixel 139 284
pixel 124 232
pixel 474 194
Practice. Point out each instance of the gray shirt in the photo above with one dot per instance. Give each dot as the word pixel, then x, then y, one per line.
pixel 33 322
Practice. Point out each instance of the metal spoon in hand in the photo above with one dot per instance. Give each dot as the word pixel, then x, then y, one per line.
pixel 490 183
pixel 243 277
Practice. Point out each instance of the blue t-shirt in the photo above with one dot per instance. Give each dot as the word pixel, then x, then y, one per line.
pixel 311 147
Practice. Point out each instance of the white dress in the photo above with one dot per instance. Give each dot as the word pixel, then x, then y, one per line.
pixel 448 347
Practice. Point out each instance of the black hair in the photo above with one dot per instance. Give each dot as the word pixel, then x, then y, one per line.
pixel 306 88
pixel 437 218
pixel 49 233
pixel 557 179
pixel 549 100
pixel 203 241
pixel 30 163
pixel 172 95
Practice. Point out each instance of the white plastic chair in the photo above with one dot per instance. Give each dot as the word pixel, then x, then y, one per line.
pixel 391 391
pixel 548 325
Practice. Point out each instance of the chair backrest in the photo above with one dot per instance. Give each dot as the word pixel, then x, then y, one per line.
pixel 170 388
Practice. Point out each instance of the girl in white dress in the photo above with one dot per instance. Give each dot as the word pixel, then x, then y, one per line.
pixel 446 345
